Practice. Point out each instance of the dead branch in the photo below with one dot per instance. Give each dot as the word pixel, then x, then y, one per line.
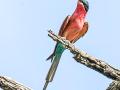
pixel 115 85
pixel 9 84
pixel 91 62
pixel 81 57
pixel 87 60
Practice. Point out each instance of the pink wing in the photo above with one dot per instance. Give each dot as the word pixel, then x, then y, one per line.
pixel 81 33
pixel 63 26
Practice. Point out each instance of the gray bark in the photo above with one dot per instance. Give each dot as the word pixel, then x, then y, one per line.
pixel 115 85
pixel 81 57
pixel 91 62
pixel 10 84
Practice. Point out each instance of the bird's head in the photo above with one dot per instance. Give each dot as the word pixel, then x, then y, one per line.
pixel 84 3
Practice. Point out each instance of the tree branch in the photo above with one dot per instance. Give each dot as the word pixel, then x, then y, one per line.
pixel 115 85
pixel 9 84
pixel 87 60
pixel 81 57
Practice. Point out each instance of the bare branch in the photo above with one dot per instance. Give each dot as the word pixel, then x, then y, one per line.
pixel 115 85
pixel 9 84
pixel 81 57
pixel 87 60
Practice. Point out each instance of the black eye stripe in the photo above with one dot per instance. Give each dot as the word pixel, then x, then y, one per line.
pixel 86 5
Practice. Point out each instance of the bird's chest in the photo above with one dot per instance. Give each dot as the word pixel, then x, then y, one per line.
pixel 76 24
pixel 74 27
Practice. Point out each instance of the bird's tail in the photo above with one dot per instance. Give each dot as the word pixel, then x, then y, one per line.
pixel 55 57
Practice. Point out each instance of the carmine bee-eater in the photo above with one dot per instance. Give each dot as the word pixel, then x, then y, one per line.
pixel 72 29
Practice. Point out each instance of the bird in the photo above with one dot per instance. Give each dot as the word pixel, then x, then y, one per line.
pixel 72 28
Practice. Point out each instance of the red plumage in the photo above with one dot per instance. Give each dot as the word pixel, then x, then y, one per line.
pixel 72 29
pixel 75 26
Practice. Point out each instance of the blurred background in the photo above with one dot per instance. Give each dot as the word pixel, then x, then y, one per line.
pixel 25 45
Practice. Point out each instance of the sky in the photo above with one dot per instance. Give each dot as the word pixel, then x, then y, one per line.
pixel 25 45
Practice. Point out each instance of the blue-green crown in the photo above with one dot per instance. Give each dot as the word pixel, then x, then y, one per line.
pixel 86 4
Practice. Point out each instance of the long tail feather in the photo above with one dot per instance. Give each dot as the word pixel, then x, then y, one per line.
pixel 53 68
pixel 52 71
pixel 55 58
